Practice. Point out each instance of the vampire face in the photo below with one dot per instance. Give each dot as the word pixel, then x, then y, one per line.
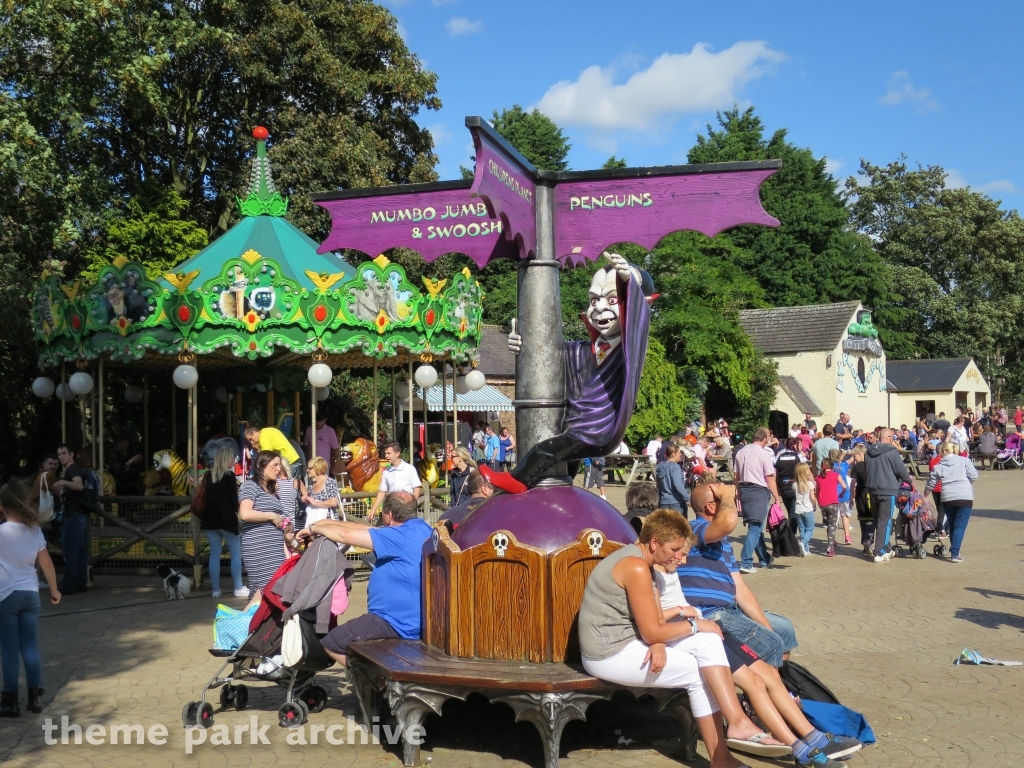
pixel 603 312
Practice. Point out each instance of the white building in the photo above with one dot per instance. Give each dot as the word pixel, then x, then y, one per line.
pixel 830 362
pixel 922 387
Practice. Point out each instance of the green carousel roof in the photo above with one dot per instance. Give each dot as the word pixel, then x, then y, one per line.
pixel 259 291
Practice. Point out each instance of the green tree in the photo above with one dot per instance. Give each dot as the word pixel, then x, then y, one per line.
pixel 814 256
pixel 753 411
pixel 955 258
pixel 615 162
pixel 663 404
pixel 154 233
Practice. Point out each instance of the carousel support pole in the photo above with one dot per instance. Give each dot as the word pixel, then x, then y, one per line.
pixel 444 417
pixel 312 417
pixel 145 418
pixel 455 406
pixel 193 458
pixel 63 405
pixel 174 417
pixel 269 421
pixel 412 414
pixel 394 407
pixel 227 415
pixel 540 375
pixel 426 442
pixel 297 421
pixel 375 409
pixel 92 424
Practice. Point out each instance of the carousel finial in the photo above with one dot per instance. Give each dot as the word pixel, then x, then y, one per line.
pixel 263 198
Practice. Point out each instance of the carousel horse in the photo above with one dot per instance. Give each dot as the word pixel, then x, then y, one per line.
pixel 363 464
pixel 171 462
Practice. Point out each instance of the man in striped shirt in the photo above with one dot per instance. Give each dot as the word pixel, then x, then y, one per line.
pixel 711 579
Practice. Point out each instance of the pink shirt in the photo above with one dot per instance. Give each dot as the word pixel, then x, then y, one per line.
pixel 326 440
pixel 828 488
pixel 753 464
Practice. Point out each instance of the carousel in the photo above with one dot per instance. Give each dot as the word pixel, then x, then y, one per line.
pixel 258 322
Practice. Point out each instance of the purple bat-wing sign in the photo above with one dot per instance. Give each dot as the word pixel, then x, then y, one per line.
pixel 431 219
pixel 647 204
pixel 505 180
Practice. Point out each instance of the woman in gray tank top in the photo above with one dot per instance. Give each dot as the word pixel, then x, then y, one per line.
pixel 625 639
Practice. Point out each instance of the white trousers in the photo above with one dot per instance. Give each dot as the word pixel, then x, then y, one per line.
pixel 682 670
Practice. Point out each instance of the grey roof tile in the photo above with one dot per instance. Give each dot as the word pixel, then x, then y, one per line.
pixel 493 358
pixel 792 387
pixel 925 375
pixel 812 328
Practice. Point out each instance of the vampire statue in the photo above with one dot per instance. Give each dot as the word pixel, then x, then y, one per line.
pixel 602 376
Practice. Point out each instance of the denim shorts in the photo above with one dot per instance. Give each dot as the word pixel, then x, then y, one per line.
pixel 770 645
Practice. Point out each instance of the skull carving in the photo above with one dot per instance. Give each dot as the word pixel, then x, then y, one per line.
pixel 500 543
pixel 595 541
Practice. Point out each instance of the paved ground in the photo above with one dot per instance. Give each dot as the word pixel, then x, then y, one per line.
pixel 883 637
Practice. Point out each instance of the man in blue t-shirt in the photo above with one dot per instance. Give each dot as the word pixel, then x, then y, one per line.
pixel 393 593
pixel 711 579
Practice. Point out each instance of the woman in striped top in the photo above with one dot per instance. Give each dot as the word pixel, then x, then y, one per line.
pixel 263 526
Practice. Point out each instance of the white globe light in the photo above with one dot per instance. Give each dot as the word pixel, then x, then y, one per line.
pixel 475 380
pixel 80 383
pixel 64 392
pixel 402 390
pixel 320 375
pixel 185 376
pixel 322 393
pixel 426 376
pixel 133 393
pixel 222 394
pixel 461 386
pixel 43 387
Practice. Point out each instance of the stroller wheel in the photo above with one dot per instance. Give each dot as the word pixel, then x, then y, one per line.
pixel 919 552
pixel 205 715
pixel 315 698
pixel 937 550
pixel 189 714
pixel 899 551
pixel 241 697
pixel 292 714
pixel 227 697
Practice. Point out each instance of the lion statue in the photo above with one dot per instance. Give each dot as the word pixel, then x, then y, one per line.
pixel 363 464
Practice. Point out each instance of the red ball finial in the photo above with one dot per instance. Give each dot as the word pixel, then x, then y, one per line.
pixel 260 133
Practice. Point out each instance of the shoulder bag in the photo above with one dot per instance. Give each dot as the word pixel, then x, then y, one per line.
pixel 198 503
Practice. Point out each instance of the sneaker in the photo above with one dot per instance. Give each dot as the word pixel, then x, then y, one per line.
pixel 830 553
pixel 819 759
pixel 883 557
pixel 867 550
pixel 849 540
pixel 771 561
pixel 956 559
pixel 243 592
pixel 807 550
pixel 215 594
pixel 747 571
pixel 840 746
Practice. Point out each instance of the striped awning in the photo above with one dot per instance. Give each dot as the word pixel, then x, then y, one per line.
pixel 486 399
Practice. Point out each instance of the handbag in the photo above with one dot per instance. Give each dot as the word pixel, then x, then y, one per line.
pixel 45 501
pixel 198 503
pixel 301 648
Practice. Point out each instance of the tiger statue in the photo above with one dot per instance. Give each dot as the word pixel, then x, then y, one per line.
pixel 363 464
pixel 173 463
pixel 430 466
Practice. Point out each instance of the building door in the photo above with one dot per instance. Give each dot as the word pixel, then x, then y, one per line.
pixel 778 423
pixel 960 400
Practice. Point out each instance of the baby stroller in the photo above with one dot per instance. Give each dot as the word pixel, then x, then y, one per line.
pixel 914 523
pixel 258 659
pixel 1011 453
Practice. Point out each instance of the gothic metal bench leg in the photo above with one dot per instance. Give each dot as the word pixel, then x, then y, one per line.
pixel 549 713
pixel 679 705
pixel 410 704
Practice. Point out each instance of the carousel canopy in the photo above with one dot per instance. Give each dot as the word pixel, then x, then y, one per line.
pixel 259 291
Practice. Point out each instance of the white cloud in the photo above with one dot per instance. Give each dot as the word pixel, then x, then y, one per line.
pixel 956 180
pixel 402 32
pixel 460 25
pixel 675 83
pixel 439 133
pixel 901 90
pixel 832 166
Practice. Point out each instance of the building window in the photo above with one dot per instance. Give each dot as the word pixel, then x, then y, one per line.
pixel 924 407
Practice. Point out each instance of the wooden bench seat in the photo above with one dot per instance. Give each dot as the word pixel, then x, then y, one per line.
pixel 416 679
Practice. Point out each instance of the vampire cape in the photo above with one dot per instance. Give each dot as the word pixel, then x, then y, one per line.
pixel 600 398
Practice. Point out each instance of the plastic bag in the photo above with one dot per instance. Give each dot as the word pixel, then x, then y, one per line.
pixel 231 627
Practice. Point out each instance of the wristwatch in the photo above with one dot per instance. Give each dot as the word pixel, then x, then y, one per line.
pixel 693 624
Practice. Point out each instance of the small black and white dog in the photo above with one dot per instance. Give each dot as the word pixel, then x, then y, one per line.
pixel 176 584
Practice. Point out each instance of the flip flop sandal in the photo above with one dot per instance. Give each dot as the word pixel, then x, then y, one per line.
pixel 753 746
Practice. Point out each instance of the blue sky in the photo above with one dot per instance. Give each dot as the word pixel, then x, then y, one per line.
pixel 939 81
